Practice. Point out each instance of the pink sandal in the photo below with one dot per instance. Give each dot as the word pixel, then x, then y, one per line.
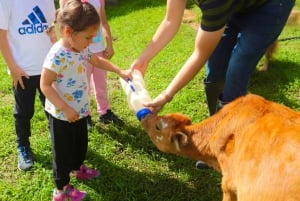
pixel 69 193
pixel 85 173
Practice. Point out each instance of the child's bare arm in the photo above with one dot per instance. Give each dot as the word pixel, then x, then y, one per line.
pixel 50 92
pixel 105 64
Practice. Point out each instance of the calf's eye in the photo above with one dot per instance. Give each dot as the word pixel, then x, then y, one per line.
pixel 157 127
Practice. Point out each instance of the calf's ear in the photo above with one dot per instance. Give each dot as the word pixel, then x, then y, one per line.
pixel 180 139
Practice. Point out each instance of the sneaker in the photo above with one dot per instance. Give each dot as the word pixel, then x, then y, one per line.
pixel 25 161
pixel 69 194
pixel 202 165
pixel 109 117
pixel 85 173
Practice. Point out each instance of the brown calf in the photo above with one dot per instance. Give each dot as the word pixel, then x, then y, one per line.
pixel 253 142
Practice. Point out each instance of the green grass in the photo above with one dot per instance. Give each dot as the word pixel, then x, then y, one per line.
pixel 132 169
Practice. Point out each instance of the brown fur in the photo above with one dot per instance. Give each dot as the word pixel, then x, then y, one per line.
pixel 293 19
pixel 253 142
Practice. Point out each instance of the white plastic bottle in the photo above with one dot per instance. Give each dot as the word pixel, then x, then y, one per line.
pixel 137 94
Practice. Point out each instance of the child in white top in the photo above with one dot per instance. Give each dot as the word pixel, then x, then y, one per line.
pixel 97 78
pixel 24 44
pixel 102 46
pixel 64 83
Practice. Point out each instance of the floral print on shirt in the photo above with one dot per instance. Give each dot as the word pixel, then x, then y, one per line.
pixel 71 81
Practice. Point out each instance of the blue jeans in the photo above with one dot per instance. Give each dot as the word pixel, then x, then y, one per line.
pixel 245 40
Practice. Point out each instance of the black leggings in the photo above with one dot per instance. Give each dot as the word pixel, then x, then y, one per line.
pixel 69 147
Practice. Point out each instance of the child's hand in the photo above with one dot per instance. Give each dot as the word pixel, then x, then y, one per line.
pixel 70 114
pixel 108 52
pixel 126 74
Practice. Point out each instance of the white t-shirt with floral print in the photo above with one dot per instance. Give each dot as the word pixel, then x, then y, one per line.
pixel 71 82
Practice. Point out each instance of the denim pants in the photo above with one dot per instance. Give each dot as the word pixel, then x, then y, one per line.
pixel 24 108
pixel 245 40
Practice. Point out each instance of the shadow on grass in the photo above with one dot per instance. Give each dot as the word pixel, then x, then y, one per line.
pixel 116 183
pixel 127 183
pixel 120 184
pixel 277 83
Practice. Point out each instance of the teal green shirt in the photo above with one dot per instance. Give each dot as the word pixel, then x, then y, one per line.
pixel 216 13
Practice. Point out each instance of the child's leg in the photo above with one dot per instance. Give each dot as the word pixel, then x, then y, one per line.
pixel 99 82
pixel 60 143
pixel 80 142
pixel 69 146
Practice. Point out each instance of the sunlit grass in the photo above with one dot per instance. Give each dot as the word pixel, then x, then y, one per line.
pixel 132 169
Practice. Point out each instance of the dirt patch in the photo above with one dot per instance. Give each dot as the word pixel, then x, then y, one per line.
pixel 294 18
pixel 190 18
pixel 6 99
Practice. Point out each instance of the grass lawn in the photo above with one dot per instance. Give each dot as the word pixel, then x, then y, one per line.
pixel 132 169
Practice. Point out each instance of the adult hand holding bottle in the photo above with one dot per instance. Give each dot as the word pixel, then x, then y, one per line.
pixel 159 102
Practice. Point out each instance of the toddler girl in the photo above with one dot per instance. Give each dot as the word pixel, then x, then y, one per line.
pixel 64 83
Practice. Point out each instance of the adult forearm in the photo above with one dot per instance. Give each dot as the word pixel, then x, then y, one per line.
pixel 185 75
pixel 205 43
pixel 164 34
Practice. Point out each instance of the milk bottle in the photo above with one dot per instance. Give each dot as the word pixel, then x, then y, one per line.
pixel 137 94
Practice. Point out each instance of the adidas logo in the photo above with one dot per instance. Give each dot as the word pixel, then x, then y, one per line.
pixel 36 23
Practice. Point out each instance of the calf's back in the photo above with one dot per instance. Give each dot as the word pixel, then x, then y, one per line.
pixel 253 142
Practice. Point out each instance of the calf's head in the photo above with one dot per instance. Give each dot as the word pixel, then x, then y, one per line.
pixel 167 132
